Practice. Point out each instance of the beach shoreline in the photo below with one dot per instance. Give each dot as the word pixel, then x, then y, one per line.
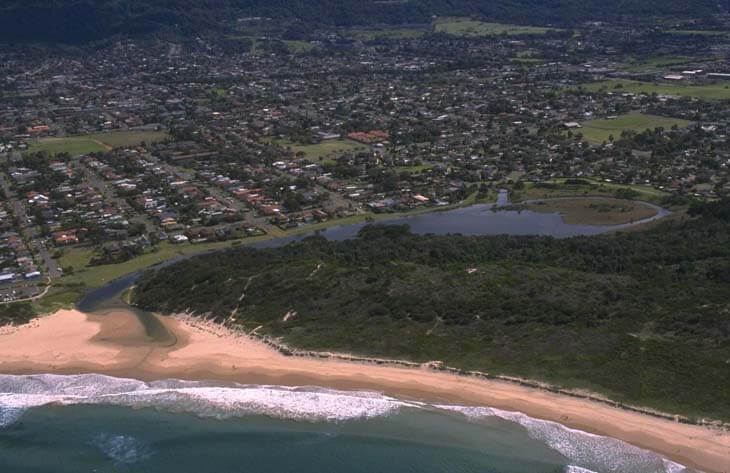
pixel 115 344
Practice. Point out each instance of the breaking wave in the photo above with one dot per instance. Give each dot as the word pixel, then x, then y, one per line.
pixel 587 452
pixel 577 469
pixel 18 393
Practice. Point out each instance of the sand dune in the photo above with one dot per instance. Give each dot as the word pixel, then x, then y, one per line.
pixel 115 344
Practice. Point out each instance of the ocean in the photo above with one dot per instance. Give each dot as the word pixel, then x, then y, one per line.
pixel 94 423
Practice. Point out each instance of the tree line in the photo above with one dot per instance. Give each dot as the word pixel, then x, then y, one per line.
pixel 642 316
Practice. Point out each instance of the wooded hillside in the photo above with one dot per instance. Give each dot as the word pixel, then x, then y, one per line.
pixel 85 20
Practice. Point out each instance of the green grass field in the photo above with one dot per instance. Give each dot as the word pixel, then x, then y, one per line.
pixel 413 169
pixel 719 91
pixel 299 46
pixel 661 63
pixel 527 60
pixel 73 145
pixel 697 32
pixel 369 34
pixel 592 211
pixel 260 46
pixel 598 131
pixel 76 258
pixel 326 150
pixel 96 142
pixel 94 276
pixel 466 27
pixel 593 187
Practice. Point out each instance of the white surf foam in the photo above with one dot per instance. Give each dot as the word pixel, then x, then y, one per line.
pixel 672 467
pixel 577 469
pixel 586 451
pixel 122 448
pixel 18 393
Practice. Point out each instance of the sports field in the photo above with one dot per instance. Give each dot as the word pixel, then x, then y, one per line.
pixel 720 91
pixel 326 150
pixel 598 131
pixel 97 142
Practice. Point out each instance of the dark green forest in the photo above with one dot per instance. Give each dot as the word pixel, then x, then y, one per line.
pixel 74 21
pixel 643 317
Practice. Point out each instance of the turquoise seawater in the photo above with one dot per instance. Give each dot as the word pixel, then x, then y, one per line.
pixel 94 423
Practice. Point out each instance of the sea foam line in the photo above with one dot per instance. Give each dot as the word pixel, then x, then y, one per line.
pixel 587 452
pixel 18 393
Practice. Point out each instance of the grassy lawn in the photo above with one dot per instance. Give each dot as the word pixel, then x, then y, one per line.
pixel 325 149
pixel 76 258
pixel 595 211
pixel 117 139
pixel 95 276
pixel 413 169
pixel 60 296
pixel 96 142
pixel 660 63
pixel 369 34
pixel 218 92
pixel 299 46
pixel 527 60
pixel 593 187
pixel 260 46
pixel 73 145
pixel 696 32
pixel 710 92
pixel 466 27
pixel 598 131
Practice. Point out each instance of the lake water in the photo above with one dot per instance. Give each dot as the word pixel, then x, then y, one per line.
pixel 481 219
pixel 94 423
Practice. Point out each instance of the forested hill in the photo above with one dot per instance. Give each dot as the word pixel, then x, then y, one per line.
pixel 85 20
pixel 642 317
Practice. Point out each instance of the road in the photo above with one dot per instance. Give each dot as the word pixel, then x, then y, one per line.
pixel 32 298
pixel 52 266
pixel 222 196
pixel 109 193
pixel 27 233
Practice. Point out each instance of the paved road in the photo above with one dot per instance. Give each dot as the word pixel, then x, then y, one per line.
pixel 110 195
pixel 54 270
pixel 29 233
pixel 26 289
pixel 222 196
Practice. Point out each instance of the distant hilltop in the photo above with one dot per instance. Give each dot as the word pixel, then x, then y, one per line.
pixel 78 21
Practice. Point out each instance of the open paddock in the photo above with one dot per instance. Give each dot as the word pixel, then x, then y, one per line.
pixel 588 211
pixel 719 91
pixel 598 131
pixel 472 28
pixel 95 142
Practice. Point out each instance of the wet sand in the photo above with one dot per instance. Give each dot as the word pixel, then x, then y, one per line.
pixel 70 342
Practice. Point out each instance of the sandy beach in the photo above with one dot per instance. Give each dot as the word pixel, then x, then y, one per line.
pixel 70 342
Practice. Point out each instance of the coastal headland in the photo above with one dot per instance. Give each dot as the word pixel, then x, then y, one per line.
pixel 116 344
